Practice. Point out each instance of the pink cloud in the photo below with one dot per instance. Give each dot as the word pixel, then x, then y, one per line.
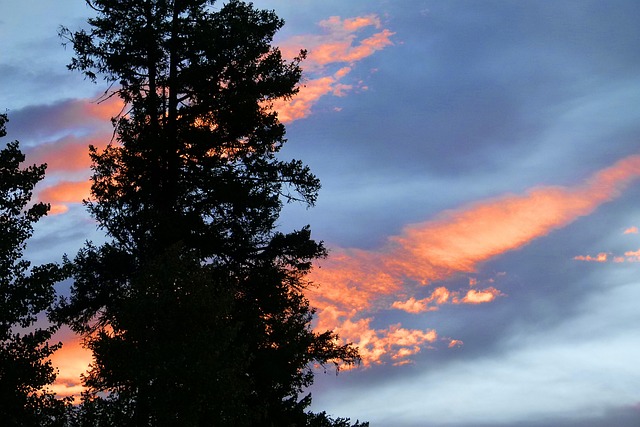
pixel 631 230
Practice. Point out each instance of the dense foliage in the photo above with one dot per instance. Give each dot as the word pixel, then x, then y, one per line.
pixel 194 309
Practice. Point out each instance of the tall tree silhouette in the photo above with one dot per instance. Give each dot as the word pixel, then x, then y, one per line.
pixel 195 309
pixel 25 292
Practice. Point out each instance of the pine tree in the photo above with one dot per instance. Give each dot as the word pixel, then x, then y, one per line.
pixel 195 310
pixel 25 293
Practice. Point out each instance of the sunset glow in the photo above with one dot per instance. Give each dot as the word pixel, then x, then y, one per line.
pixel 479 164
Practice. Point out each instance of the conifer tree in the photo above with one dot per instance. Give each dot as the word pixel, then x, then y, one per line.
pixel 25 292
pixel 195 309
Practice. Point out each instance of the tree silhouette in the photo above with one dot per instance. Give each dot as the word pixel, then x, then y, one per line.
pixel 195 310
pixel 24 293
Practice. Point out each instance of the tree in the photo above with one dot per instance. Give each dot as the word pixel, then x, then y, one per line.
pixel 24 293
pixel 195 310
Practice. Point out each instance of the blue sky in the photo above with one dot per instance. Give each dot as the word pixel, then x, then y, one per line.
pixel 479 165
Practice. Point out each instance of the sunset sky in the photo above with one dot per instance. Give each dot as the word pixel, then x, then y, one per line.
pixel 480 163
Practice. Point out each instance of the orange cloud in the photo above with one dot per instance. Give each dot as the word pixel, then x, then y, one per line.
pixel 479 297
pixel 413 306
pixel 69 154
pixel 629 256
pixel 438 296
pixel 82 122
pixel 106 109
pixel 350 24
pixel 338 45
pixel 63 193
pixel 357 281
pixel 631 230
pixel 72 360
pixel 395 341
pixel 299 106
pixel 455 343
pixel 601 257
pixel 632 256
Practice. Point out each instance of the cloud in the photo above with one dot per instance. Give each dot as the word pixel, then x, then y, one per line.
pixel 340 43
pixel 70 126
pixel 61 140
pixel 540 374
pixel 479 297
pixel 63 193
pixel 68 154
pixel 338 46
pixel 601 257
pixel 439 296
pixel 299 106
pixel 395 342
pixel 72 360
pixel 356 282
pixel 455 343
pixel 71 117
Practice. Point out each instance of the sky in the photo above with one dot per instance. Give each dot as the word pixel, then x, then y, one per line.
pixel 480 163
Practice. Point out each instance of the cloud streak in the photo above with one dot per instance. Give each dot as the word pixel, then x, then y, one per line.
pixel 354 281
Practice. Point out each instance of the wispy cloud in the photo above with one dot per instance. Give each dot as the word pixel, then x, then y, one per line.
pixel 340 41
pixel 331 57
pixel 354 283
